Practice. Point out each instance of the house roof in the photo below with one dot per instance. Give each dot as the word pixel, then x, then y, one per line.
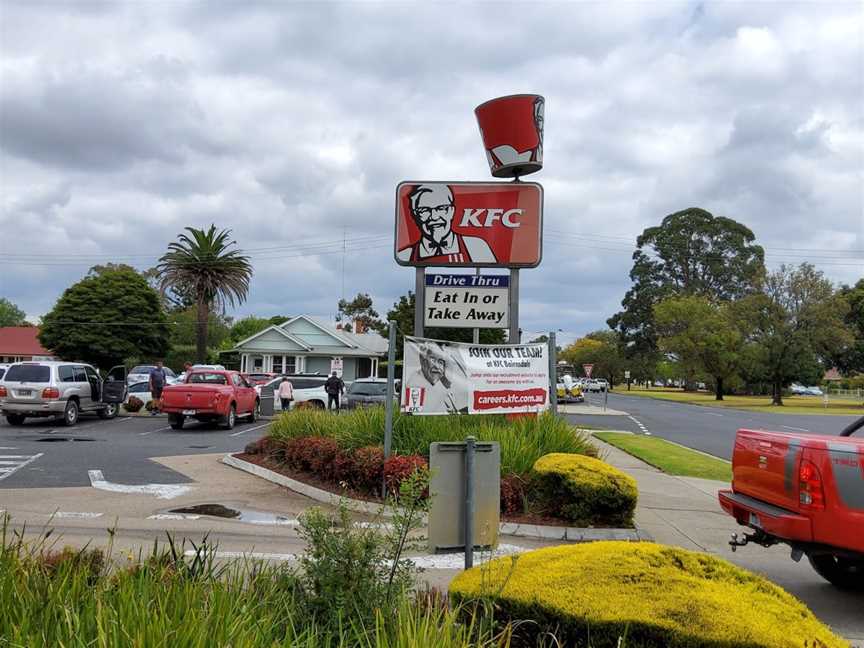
pixel 21 341
pixel 315 336
pixel 832 374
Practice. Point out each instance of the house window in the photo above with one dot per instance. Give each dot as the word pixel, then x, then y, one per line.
pixel 277 364
pixel 257 364
pixel 290 364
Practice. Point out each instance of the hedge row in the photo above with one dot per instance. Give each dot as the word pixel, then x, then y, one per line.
pixel 655 596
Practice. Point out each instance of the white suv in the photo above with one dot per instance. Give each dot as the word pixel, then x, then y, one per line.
pixel 59 389
pixel 307 389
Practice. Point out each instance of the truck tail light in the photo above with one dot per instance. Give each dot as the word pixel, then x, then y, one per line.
pixel 3 392
pixel 810 491
pixel 51 393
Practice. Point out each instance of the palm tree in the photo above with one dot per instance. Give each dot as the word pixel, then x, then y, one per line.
pixel 201 262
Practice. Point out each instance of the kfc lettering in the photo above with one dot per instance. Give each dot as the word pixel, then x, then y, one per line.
pixel 469 224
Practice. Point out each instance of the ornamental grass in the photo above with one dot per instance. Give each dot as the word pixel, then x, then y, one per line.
pixel 655 596
pixel 523 441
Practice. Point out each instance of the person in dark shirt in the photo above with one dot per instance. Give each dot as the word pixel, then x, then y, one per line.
pixel 157 384
pixel 334 388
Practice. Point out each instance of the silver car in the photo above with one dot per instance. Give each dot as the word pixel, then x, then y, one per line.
pixel 59 389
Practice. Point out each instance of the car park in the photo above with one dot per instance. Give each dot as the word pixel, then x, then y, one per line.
pixel 141 391
pixel 60 390
pixel 364 392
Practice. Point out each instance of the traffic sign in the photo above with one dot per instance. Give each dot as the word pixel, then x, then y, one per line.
pixel 587 368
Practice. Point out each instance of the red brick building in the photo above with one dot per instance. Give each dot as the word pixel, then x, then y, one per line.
pixel 20 343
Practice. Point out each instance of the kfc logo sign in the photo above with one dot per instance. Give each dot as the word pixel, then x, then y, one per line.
pixel 469 224
pixel 512 131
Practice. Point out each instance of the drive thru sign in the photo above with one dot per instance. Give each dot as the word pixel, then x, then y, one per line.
pixel 587 368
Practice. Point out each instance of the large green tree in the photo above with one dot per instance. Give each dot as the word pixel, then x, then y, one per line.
pixel 851 360
pixel 203 262
pixel 360 311
pixel 793 328
pixel 10 314
pixel 701 335
pixel 691 252
pixel 105 318
pixel 403 314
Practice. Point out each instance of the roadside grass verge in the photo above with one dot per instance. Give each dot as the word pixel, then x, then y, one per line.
pixel 669 457
pixel 792 404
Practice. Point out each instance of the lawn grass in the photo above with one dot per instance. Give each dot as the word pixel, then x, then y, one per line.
pixel 792 404
pixel 669 457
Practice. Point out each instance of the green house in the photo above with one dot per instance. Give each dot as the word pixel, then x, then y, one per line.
pixel 304 344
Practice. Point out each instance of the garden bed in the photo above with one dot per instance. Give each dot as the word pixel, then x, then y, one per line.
pixel 342 456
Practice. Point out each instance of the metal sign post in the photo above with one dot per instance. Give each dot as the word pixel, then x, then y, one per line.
pixel 419 299
pixel 553 373
pixel 514 307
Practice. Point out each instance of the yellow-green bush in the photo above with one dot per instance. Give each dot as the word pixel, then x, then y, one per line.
pixel 585 490
pixel 658 596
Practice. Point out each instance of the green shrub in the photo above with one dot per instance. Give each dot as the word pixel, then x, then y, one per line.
pixel 585 490
pixel 523 441
pixel 134 404
pixel 656 596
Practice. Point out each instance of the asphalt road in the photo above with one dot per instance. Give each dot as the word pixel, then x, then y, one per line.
pixel 709 429
pixel 42 454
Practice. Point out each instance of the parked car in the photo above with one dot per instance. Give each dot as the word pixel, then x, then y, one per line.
pixel 569 390
pixel 3 368
pixel 308 388
pixel 804 490
pixel 798 390
pixel 211 395
pixel 141 373
pixel 140 390
pixel 60 389
pixel 259 378
pixel 364 392
pixel 813 391
pixel 597 385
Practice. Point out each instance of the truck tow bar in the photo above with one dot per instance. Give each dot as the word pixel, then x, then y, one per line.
pixel 759 537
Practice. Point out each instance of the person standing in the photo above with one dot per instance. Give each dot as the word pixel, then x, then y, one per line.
pixel 157 384
pixel 286 394
pixel 334 388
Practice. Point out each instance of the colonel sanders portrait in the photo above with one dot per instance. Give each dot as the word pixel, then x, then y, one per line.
pixel 442 377
pixel 433 208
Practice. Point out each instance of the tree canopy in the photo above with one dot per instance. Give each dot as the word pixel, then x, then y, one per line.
pixel 360 311
pixel 105 318
pixel 691 252
pixel 793 328
pixel 598 348
pixel 10 314
pixel 851 360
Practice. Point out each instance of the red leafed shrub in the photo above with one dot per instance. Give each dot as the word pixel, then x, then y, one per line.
pixel 313 454
pixel 343 467
pixel 513 494
pixel 398 468
pixel 368 468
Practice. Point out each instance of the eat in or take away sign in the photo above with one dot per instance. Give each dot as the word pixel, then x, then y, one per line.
pixel 467 301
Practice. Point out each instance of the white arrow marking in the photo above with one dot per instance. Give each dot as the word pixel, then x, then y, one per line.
pixel 18 465
pixel 162 491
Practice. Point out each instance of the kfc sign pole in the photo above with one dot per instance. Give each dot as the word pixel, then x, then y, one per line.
pixel 480 224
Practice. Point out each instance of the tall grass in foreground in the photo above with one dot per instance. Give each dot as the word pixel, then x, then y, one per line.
pixel 522 441
pixel 163 599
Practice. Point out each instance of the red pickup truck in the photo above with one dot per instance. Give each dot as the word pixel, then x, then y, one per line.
pixel 211 395
pixel 804 490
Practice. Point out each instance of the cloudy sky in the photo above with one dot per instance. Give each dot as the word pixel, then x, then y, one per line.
pixel 292 123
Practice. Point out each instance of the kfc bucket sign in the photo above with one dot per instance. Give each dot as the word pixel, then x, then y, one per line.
pixel 469 224
pixel 512 131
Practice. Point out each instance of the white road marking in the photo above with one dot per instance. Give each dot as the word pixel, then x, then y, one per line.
pixel 713 414
pixel 7 448
pixel 244 431
pixel 16 465
pixel 789 427
pixel 167 427
pixel 172 516
pixel 76 514
pixel 162 491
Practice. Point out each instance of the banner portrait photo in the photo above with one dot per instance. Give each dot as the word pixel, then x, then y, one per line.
pixel 455 378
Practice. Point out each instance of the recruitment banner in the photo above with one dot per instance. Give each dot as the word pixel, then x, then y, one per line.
pixel 456 378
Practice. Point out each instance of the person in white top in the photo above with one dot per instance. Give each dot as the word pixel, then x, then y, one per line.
pixel 286 394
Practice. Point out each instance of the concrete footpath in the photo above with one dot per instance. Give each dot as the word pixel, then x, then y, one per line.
pixel 684 511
